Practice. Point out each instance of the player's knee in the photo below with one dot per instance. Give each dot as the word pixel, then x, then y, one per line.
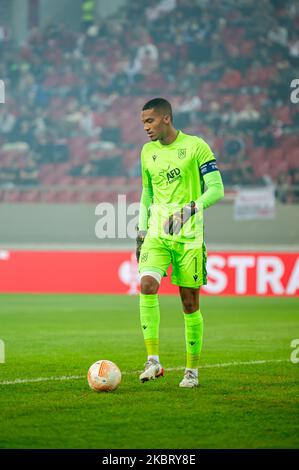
pixel 149 285
pixel 189 306
pixel 190 302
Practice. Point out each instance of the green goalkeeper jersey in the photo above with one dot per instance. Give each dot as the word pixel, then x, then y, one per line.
pixel 172 176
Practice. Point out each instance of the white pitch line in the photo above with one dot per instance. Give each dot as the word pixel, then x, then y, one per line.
pixel 206 366
pixel 41 379
pixel 230 364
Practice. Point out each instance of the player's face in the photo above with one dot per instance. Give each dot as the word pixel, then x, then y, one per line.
pixel 155 123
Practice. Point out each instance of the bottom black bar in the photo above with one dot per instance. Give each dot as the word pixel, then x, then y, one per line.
pixel 134 458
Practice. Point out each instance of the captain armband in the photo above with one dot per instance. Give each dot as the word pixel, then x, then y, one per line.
pixel 208 167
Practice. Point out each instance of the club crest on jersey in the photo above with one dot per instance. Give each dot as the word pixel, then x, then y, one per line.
pixel 182 153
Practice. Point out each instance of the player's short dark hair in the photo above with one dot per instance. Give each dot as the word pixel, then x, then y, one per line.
pixel 160 104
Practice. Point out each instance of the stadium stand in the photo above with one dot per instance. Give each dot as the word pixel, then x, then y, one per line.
pixel 70 130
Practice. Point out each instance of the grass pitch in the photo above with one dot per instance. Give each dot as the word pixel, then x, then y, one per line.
pixel 241 404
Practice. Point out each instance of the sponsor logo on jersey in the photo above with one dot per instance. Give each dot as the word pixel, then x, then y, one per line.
pixel 170 175
pixel 173 175
pixel 182 153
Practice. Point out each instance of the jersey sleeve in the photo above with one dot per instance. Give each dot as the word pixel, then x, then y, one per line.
pixel 205 158
pixel 146 179
pixel 146 196
pixel 214 192
pixel 210 174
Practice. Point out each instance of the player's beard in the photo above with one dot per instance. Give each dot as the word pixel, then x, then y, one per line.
pixel 156 136
pixel 153 138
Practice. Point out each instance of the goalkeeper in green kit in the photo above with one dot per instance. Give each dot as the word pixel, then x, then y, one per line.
pixel 175 168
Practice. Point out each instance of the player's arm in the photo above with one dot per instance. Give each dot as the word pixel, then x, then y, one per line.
pixel 213 181
pixel 145 203
pixel 215 190
pixel 210 174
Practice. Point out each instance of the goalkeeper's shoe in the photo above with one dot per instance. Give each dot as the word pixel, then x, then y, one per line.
pixel 190 380
pixel 152 370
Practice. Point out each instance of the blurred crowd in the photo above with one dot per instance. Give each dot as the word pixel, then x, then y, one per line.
pixel 226 66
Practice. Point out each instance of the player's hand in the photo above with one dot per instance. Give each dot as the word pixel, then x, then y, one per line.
pixel 139 240
pixel 176 221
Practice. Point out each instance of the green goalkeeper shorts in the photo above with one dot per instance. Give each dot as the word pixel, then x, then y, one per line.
pixel 188 260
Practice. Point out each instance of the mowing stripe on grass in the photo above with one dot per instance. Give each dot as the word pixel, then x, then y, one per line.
pixel 206 366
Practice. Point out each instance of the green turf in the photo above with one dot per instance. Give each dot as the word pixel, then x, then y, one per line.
pixel 239 406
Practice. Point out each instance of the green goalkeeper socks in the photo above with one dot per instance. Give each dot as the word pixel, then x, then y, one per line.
pixel 193 335
pixel 150 321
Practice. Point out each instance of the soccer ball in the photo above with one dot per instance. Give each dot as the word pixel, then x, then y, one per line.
pixel 104 376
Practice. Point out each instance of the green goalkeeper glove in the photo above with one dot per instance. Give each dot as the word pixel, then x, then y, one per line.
pixel 139 241
pixel 176 221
